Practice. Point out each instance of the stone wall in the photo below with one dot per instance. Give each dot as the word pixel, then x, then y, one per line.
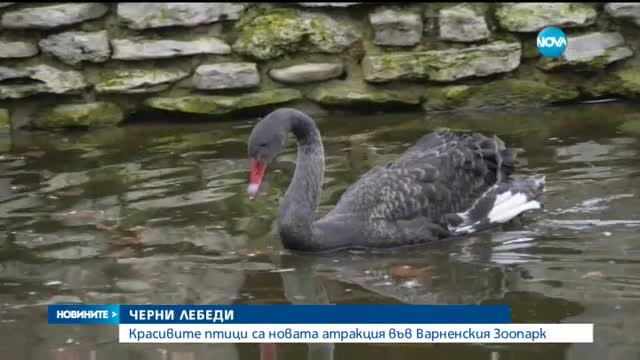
pixel 93 64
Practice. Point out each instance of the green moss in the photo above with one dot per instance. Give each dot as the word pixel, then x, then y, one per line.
pixel 5 119
pixel 79 115
pixel 444 98
pixel 344 95
pixel 599 86
pixel 218 105
pixel 601 62
pixel 597 63
pixel 270 36
pixel 530 49
pixel 322 37
pixel 531 18
pixel 283 31
pixel 112 78
pixel 397 66
pixel 165 14
pixel 507 92
pixel 137 80
pixel 438 65
pixel 629 80
pixel 113 82
pixel 189 104
pixel 277 96
pixel 20 91
pixel 631 127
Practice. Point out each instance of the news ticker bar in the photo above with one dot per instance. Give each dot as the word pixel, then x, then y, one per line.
pixel 84 314
pixel 356 333
pixel 316 324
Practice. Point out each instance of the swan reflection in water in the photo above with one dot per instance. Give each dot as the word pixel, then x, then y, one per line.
pixel 485 268
pixel 482 269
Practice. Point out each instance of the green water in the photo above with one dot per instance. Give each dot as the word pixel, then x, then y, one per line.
pixel 159 214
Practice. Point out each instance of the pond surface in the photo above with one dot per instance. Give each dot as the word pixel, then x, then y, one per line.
pixel 159 214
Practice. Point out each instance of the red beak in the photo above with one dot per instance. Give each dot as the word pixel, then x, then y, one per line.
pixel 257 173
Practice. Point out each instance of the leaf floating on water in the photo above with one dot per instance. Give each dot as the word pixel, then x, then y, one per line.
pixel 406 271
pixel 103 226
pixel 125 240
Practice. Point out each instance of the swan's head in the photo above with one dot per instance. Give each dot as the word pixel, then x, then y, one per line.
pixel 267 140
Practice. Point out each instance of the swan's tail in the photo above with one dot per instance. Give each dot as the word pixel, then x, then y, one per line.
pixel 499 205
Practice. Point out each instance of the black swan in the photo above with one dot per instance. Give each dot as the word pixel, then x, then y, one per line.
pixel 443 187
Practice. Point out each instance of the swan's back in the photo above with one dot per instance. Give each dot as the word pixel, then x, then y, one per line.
pixel 444 185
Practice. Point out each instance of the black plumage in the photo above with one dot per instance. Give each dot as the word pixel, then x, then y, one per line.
pixel 444 186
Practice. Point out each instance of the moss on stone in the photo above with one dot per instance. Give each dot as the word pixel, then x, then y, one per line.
pixel 445 98
pixel 284 31
pixel 443 65
pixel 323 38
pixel 397 66
pixel 277 96
pixel 197 104
pixel 597 63
pixel 5 119
pixel 137 80
pixel 345 95
pixel 529 48
pixel 597 87
pixel 508 92
pixel 629 78
pixel 79 115
pixel 270 36
pixel 631 127
pixel 218 105
pixel 533 17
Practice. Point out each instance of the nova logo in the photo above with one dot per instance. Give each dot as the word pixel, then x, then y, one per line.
pixel 552 42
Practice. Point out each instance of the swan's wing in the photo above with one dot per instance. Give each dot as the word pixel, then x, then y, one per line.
pixel 430 145
pixel 441 140
pixel 490 151
pixel 413 198
pixel 426 183
pixel 441 169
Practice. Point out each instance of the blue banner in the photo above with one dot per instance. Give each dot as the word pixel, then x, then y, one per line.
pixel 279 314
pixel 80 314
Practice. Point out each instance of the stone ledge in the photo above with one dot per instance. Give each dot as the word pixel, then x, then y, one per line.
pixel 79 115
pixel 443 65
pixel 52 16
pixel 141 16
pixel 219 105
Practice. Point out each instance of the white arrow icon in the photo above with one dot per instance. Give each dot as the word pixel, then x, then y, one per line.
pixel 114 314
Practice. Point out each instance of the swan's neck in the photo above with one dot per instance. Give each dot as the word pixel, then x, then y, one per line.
pixel 302 198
